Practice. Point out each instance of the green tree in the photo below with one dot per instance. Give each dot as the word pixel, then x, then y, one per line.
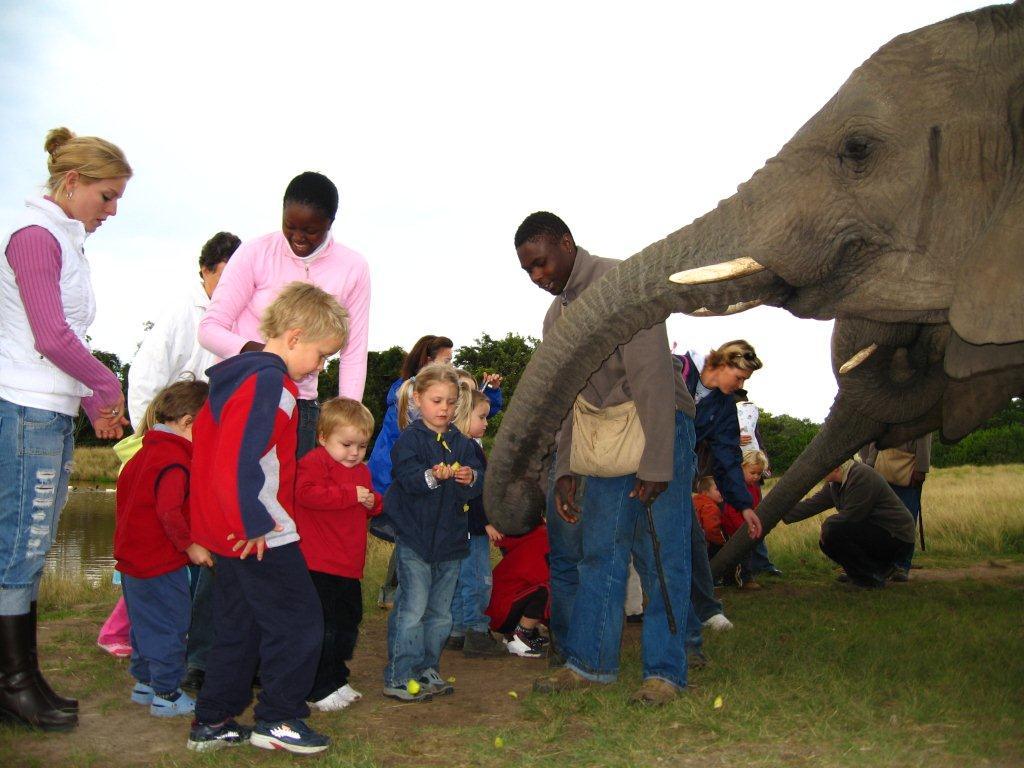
pixel 784 438
pixel 507 356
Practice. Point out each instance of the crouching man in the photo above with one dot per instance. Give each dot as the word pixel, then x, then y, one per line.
pixel 871 529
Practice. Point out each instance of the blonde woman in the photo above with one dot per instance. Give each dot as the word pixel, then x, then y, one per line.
pixel 46 373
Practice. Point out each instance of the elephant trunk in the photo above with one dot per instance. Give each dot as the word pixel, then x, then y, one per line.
pixel 844 432
pixel 631 298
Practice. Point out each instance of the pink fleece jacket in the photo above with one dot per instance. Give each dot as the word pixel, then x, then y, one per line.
pixel 253 278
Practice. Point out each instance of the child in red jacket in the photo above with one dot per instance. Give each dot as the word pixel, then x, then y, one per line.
pixel 519 595
pixel 153 547
pixel 334 497
pixel 266 611
pixel 706 503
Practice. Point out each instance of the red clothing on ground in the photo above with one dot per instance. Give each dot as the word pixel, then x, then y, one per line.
pixel 523 569
pixel 710 516
pixel 331 522
pixel 152 529
pixel 731 517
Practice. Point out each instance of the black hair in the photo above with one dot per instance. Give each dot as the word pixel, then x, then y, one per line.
pixel 315 190
pixel 541 224
pixel 218 248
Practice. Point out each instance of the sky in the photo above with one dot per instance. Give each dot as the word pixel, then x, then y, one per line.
pixel 443 124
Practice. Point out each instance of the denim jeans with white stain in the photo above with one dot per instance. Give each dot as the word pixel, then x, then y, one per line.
pixel 473 590
pixel 421 619
pixel 36 448
pixel 615 526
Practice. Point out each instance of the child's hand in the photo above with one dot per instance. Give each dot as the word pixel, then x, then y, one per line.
pixel 247 545
pixel 199 555
pixel 492 380
pixel 441 471
pixel 364 496
pixel 464 475
pixel 493 533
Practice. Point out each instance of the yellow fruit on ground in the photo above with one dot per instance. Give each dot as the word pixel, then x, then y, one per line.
pixel 499 742
pixel 412 687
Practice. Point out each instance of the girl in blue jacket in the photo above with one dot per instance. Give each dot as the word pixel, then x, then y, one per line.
pixel 435 472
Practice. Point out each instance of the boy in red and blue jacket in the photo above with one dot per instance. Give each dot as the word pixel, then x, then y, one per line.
pixel 266 611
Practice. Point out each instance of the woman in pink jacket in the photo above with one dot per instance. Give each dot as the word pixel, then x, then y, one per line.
pixel 303 250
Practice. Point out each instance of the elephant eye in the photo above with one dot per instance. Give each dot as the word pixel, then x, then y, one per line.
pixel 856 148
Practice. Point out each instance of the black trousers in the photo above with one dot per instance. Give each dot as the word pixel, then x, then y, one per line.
pixel 342 603
pixel 532 607
pixel 865 550
pixel 266 613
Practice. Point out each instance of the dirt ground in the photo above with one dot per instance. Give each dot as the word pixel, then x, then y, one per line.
pixel 113 731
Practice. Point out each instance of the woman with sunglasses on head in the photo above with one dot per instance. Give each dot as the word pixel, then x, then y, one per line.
pixel 46 373
pixel 712 379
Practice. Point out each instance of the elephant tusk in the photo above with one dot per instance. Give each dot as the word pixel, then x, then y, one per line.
pixel 713 273
pixel 732 309
pixel 857 359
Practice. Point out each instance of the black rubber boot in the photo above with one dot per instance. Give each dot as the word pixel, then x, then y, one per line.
pixel 22 700
pixel 481 645
pixel 62 703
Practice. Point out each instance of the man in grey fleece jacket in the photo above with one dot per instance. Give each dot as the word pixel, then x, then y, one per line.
pixel 612 518
pixel 872 528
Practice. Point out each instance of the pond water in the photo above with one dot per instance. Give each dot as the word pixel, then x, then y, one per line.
pixel 85 537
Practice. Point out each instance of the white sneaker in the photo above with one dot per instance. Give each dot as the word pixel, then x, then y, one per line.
pixel 718 622
pixel 331 703
pixel 348 692
pixel 518 648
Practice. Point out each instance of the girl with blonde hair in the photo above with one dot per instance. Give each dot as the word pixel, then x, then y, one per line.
pixel 46 373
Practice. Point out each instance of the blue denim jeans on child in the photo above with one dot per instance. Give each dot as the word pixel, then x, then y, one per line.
pixel 565 542
pixel 36 448
pixel 614 526
pixel 473 591
pixel 419 623
pixel 159 609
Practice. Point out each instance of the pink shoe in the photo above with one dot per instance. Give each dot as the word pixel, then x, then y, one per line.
pixel 120 650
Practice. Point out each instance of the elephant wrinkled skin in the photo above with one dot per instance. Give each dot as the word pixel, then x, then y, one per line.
pixel 898 210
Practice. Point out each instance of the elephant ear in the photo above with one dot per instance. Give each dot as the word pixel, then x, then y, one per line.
pixel 964 360
pixel 988 305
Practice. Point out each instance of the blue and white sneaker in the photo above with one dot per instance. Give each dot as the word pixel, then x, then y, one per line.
pixel 182 705
pixel 291 735
pixel 206 737
pixel 143 694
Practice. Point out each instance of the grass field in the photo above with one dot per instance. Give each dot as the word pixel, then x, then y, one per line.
pixel 929 673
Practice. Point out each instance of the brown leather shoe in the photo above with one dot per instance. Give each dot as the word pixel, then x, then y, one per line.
pixel 654 692
pixel 750 585
pixel 563 679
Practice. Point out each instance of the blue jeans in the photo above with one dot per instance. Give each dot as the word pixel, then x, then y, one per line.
pixel 565 543
pixel 911 498
pixel 419 623
pixel 613 526
pixel 159 609
pixel 309 415
pixel 702 586
pixel 760 560
pixel 473 591
pixel 36 448
pixel 200 632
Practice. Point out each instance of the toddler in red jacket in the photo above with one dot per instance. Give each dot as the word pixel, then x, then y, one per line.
pixel 334 498
pixel 153 546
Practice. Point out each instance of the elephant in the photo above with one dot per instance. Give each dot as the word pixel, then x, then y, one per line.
pixel 897 210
